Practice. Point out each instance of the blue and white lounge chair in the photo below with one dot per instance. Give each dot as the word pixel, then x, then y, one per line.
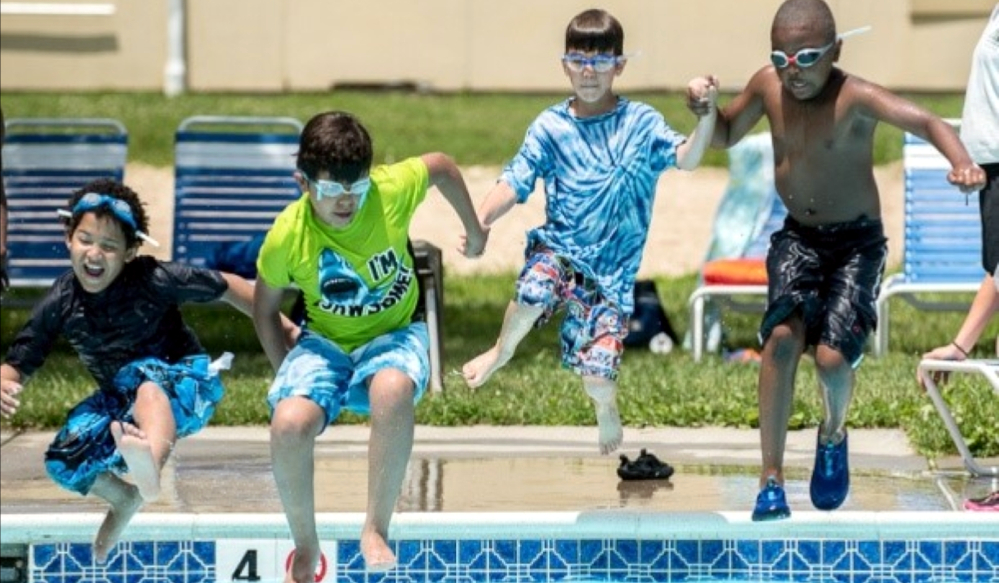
pixel 734 272
pixel 943 240
pixel 233 175
pixel 44 161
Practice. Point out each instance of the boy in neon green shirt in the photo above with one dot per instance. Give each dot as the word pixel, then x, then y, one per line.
pixel 364 347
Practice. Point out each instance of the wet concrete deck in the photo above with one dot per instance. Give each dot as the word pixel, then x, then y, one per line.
pixel 509 469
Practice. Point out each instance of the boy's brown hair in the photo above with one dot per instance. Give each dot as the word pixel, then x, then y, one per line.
pixel 595 30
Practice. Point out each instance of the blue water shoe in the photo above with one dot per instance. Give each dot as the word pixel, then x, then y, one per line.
pixel 831 475
pixel 771 503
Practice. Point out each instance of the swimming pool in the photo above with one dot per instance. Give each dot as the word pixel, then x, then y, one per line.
pixel 607 545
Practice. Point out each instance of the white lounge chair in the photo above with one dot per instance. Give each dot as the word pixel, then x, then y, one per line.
pixel 987 368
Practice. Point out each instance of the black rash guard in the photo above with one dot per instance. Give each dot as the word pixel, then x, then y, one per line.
pixel 137 316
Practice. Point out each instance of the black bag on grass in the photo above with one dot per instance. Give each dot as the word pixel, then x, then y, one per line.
pixel 649 319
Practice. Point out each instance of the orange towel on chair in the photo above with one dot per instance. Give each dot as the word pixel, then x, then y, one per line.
pixel 735 272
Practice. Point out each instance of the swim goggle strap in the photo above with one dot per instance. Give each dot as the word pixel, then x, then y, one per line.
pixel 121 210
pixel 807 57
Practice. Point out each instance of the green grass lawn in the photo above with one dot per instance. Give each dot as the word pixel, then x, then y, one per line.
pixel 476 129
pixel 655 390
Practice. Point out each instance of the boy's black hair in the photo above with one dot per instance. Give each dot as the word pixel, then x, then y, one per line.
pixel 337 142
pixel 114 189
pixel 595 30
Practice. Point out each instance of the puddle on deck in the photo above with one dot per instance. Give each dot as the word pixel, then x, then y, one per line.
pixel 497 484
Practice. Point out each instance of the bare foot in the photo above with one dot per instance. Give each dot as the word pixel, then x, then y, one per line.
pixel 117 518
pixel 135 448
pixel 376 552
pixel 478 370
pixel 609 423
pixel 303 566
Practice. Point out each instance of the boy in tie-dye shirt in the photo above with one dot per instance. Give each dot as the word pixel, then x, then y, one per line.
pixel 599 156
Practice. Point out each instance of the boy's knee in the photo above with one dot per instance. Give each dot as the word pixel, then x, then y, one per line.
pixel 829 361
pixel 289 425
pixel 392 388
pixel 785 343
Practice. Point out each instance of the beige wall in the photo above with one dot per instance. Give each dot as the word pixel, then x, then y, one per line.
pixel 447 45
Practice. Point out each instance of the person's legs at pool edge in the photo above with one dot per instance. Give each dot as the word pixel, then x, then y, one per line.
pixel 295 424
pixel 830 481
pixel 393 419
pixel 778 367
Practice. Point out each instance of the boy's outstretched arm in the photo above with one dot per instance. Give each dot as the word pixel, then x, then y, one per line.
pixel 267 320
pixel 702 99
pixel 964 173
pixel 885 106
pixel 501 198
pixel 446 176
pixel 740 115
pixel 240 293
pixel 240 296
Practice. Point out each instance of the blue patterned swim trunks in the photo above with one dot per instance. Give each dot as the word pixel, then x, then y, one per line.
pixel 319 370
pixel 85 448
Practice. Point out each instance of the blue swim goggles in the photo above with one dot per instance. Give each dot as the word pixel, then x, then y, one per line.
pixel 121 210
pixel 600 63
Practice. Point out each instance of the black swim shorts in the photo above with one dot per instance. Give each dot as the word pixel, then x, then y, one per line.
pixel 988 199
pixel 832 275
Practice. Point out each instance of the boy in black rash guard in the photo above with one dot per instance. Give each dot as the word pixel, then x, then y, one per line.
pixel 121 314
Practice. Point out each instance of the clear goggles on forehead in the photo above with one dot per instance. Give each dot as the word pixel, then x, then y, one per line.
pixel 333 189
pixel 118 207
pixel 599 63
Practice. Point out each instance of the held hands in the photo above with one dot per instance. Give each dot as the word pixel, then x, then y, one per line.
pixel 702 95
pixel 473 242
pixel 8 397
pixel 967 177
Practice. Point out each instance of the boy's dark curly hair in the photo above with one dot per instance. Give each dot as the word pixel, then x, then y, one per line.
pixel 117 190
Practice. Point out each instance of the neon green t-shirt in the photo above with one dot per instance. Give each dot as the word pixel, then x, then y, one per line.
pixel 359 282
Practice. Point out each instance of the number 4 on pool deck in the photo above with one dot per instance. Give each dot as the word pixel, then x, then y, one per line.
pixel 264 560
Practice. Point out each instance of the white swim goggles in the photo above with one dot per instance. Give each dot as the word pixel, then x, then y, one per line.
pixel 807 57
pixel 334 189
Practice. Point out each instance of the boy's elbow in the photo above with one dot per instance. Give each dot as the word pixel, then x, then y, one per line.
pixel 720 142
pixel 687 160
pixel 686 165
pixel 440 166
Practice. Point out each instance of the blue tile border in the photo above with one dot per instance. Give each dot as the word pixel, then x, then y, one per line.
pixel 555 559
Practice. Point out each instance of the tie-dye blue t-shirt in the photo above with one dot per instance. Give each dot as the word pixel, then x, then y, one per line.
pixel 600 176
